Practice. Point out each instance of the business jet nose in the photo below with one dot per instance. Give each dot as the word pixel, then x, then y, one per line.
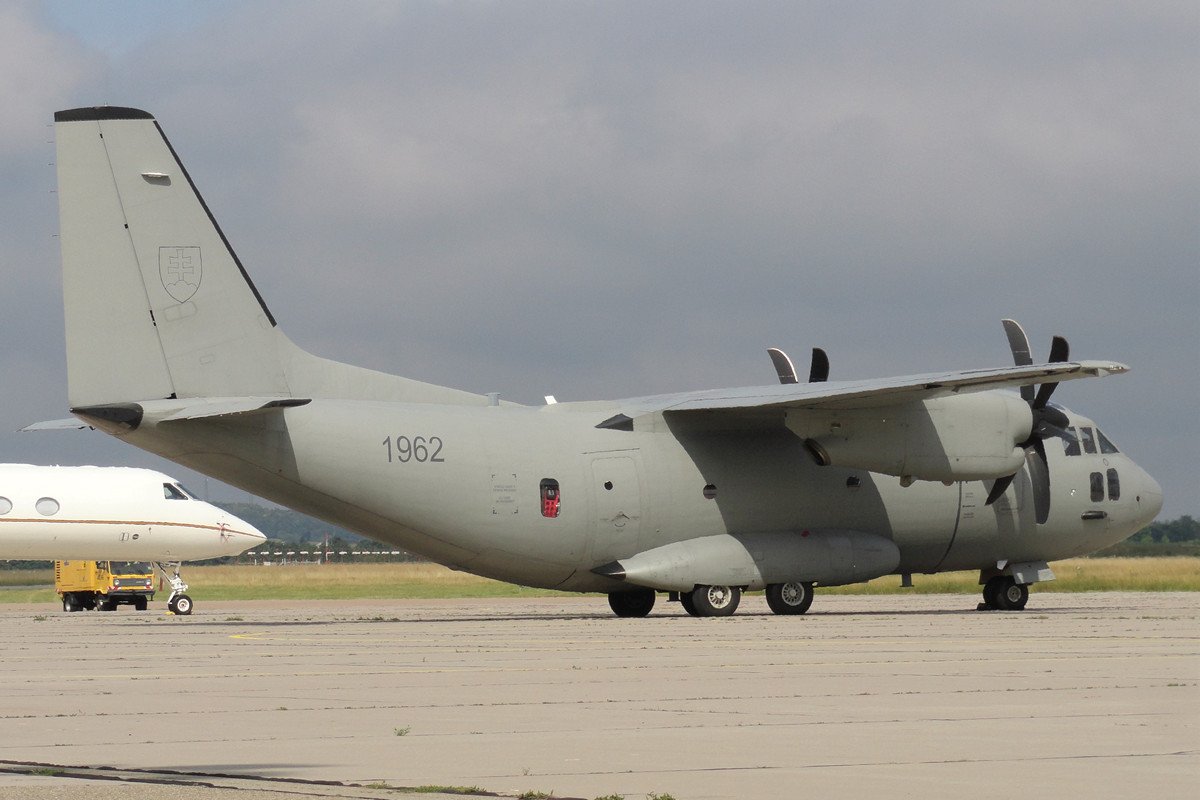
pixel 237 535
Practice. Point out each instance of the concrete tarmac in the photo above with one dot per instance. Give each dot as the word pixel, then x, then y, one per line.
pixel 1081 695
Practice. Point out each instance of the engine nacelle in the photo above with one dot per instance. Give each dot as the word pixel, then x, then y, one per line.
pixel 961 438
pixel 753 560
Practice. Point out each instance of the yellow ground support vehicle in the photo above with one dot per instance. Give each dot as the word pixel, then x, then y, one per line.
pixel 103 585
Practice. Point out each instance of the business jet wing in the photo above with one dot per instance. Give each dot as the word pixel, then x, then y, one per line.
pixel 873 393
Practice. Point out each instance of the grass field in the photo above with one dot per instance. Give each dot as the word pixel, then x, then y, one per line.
pixel 420 581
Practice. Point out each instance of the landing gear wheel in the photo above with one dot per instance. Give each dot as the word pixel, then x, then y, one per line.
pixel 685 600
pixel 1013 596
pixel 715 601
pixel 181 605
pixel 789 598
pixel 1002 593
pixel 636 603
pixel 991 592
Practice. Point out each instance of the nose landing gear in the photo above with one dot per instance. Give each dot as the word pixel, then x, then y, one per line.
pixel 1003 593
pixel 178 602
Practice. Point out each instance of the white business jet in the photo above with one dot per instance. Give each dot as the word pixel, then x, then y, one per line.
pixel 115 514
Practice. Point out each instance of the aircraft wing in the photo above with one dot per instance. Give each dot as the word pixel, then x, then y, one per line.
pixel 871 393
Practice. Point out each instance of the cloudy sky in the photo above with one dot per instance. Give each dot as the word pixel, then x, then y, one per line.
pixel 613 199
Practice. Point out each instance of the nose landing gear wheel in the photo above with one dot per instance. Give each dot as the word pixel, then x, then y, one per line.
pixel 181 605
pixel 789 598
pixel 715 601
pixel 1002 593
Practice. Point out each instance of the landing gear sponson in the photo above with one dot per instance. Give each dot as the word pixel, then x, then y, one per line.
pixel 178 602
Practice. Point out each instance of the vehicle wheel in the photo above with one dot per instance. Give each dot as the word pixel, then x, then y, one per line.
pixel 105 605
pixel 685 600
pixel 991 592
pixel 69 603
pixel 716 601
pixel 789 598
pixel 182 605
pixel 140 603
pixel 1013 596
pixel 636 603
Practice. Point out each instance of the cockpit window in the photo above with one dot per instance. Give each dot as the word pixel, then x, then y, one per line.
pixel 171 492
pixel 186 491
pixel 1088 436
pixel 1106 447
pixel 1071 443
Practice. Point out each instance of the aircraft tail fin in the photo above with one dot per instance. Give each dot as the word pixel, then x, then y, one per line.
pixel 157 303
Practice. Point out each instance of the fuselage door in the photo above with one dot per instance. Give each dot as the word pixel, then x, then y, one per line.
pixel 616 507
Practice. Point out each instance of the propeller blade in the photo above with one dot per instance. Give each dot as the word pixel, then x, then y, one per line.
pixel 1043 396
pixel 1060 350
pixel 783 365
pixel 1018 343
pixel 819 371
pixel 1039 476
pixel 999 488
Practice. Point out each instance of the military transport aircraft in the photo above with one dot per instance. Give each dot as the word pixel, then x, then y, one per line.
pixel 114 514
pixel 701 495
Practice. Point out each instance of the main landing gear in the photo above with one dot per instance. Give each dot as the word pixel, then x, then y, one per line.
pixel 1003 593
pixel 178 603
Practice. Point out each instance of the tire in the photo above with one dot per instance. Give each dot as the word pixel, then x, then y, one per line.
pixel 70 603
pixel 1012 596
pixel 685 600
pixel 716 601
pixel 182 605
pixel 140 603
pixel 636 603
pixel 789 598
pixel 991 592
pixel 105 605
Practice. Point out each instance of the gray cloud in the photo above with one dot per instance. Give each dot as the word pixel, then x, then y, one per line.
pixel 616 199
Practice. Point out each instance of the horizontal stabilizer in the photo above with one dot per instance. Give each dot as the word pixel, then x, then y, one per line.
pixel 129 416
pixel 228 407
pixel 69 424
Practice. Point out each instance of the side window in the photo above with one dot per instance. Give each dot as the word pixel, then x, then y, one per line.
pixel 47 506
pixel 1071 445
pixel 551 498
pixel 1114 485
pixel 5 505
pixel 1097 487
pixel 1089 440
pixel 1106 447
pixel 171 493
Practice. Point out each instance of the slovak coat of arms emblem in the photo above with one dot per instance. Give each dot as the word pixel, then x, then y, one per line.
pixel 180 270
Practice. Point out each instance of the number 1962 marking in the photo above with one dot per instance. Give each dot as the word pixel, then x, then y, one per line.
pixel 418 448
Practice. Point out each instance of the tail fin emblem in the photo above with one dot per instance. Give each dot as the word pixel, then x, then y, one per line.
pixel 180 270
